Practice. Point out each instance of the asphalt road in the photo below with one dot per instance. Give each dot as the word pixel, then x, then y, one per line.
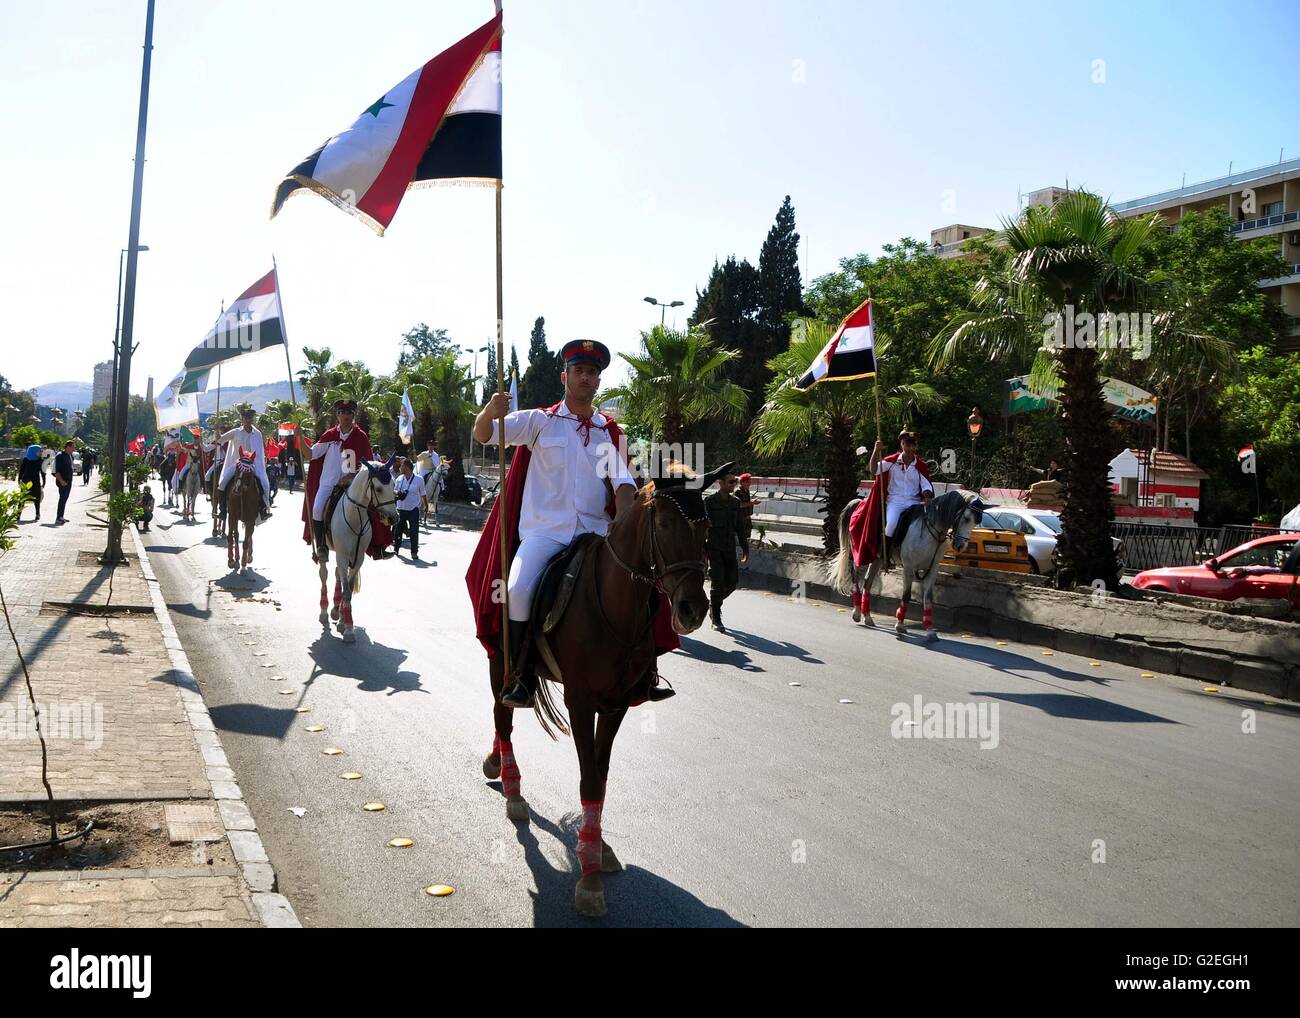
pixel 756 796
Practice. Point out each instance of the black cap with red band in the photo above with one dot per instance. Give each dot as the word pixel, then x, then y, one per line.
pixel 586 351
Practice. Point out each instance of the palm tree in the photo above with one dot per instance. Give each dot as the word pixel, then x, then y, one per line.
pixel 1074 257
pixel 446 391
pixel 317 378
pixel 677 380
pixel 353 380
pixel 790 419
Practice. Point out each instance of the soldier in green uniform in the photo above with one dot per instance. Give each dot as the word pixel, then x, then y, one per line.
pixel 727 529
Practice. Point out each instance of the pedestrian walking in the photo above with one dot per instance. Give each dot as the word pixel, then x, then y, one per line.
pixel 30 472
pixel 410 493
pixel 87 464
pixel 145 516
pixel 63 477
pixel 291 472
pixel 727 530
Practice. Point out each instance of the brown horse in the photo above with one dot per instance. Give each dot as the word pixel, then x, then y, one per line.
pixel 657 546
pixel 243 500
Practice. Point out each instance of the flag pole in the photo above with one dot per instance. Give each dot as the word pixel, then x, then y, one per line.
pixel 284 328
pixel 875 384
pixel 501 464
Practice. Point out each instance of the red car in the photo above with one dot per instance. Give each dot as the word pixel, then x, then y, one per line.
pixel 1267 567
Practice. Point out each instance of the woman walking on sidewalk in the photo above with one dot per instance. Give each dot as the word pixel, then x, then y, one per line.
pixel 30 472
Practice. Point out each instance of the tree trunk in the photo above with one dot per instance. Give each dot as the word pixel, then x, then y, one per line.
pixel 1085 548
pixel 841 479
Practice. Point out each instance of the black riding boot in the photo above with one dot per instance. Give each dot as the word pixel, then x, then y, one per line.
pixel 519 694
pixel 715 615
pixel 318 532
pixel 887 556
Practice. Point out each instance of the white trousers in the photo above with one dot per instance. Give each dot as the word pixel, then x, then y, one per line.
pixel 893 510
pixel 318 505
pixel 526 572
pixel 259 468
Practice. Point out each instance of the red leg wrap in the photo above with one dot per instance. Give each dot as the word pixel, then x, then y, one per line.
pixel 509 769
pixel 589 850
pixel 927 620
pixel 901 614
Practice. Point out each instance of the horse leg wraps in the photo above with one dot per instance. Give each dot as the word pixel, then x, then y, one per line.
pixel 589 845
pixel 927 619
pixel 901 614
pixel 509 769
pixel 857 599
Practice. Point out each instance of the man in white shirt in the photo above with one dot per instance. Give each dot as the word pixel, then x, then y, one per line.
pixel 906 481
pixel 248 439
pixel 409 492
pixel 573 468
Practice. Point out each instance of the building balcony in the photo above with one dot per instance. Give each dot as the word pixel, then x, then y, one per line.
pixel 1205 188
pixel 1266 223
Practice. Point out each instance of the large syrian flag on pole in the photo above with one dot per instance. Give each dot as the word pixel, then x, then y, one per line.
pixel 439 124
pixel 251 323
pixel 850 354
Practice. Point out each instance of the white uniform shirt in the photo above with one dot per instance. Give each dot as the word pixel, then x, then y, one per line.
pixel 338 461
pixel 905 482
pixel 565 493
pixel 249 441
pixel 409 492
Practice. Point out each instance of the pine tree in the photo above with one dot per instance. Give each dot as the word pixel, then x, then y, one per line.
pixel 780 282
pixel 728 309
pixel 540 385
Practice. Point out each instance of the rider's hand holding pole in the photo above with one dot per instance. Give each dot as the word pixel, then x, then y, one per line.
pixel 875 458
pixel 497 407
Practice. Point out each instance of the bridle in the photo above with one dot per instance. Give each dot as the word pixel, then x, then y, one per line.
pixel 364 507
pixel 657 574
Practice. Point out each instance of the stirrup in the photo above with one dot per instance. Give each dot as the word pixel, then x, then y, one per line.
pixel 517 696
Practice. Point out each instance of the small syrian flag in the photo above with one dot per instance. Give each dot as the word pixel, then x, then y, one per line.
pixel 406 419
pixel 851 352
pixel 1246 452
pixel 514 393
pixel 286 429
pixel 250 324
pixel 441 123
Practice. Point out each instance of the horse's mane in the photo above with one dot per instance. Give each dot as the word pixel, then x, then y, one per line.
pixel 942 513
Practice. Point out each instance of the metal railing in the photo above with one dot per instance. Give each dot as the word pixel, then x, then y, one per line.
pixel 1259 224
pixel 1208 185
pixel 1156 546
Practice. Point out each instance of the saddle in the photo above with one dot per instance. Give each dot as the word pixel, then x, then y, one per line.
pixel 551 600
pixel 331 503
pixel 911 513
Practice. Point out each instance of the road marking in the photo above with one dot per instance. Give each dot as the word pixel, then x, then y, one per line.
pixel 401 843
pixel 439 890
pixel 373 807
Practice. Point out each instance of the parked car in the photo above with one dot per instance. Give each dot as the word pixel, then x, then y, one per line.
pixel 1267 567
pixel 1041 528
pixel 473 489
pixel 993 545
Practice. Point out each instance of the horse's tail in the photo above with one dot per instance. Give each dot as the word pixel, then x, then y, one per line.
pixel 356 579
pixel 841 570
pixel 546 710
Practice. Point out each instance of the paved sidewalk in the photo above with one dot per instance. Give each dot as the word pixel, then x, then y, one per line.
pixel 124 721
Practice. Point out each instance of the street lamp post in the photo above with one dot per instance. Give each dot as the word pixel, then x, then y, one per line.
pixel 479 350
pixel 117 339
pixel 663 307
pixel 974 425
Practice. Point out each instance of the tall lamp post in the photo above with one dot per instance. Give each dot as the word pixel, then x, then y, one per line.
pixel 117 339
pixel 974 425
pixel 663 307
pixel 479 350
pixel 121 396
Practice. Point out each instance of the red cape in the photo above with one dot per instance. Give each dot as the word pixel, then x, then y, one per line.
pixel 381 534
pixel 485 566
pixel 864 524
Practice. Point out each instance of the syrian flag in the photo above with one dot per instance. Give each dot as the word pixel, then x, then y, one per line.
pixel 251 323
pixel 1246 452
pixel 514 393
pixel 850 354
pixel 441 123
pixel 286 429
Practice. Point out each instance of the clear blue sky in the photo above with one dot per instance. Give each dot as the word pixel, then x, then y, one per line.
pixel 642 141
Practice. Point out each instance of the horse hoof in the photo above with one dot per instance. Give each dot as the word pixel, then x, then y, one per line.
pixel 492 766
pixel 589 903
pixel 516 809
pixel 349 636
pixel 334 613
pixel 900 629
pixel 931 636
pixel 868 622
pixel 324 617
pixel 608 860
pixel 857 615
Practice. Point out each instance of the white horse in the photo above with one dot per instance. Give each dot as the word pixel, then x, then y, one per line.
pixel 955 512
pixel 190 490
pixel 433 492
pixel 347 534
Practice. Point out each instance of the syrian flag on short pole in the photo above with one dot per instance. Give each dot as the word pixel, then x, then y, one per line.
pixel 172 409
pixel 406 419
pixel 850 354
pixel 1246 452
pixel 286 429
pixel 251 323
pixel 439 124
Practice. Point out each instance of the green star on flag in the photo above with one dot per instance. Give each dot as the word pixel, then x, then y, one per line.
pixel 377 105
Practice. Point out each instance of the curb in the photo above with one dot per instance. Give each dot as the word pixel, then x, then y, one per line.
pixel 273 908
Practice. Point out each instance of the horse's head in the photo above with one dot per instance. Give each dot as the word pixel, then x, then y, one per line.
pixel 678 528
pixel 379 488
pixel 967 516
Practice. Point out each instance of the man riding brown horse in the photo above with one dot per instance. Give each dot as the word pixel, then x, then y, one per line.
pixel 576 481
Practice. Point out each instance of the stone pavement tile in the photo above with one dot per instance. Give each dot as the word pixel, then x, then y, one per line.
pixel 161 901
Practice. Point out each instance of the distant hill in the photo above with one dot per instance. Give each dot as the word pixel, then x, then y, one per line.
pixel 258 395
pixel 69 395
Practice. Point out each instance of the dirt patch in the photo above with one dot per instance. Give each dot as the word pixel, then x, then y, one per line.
pixel 128 835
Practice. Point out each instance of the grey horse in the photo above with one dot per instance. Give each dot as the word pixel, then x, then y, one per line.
pixel 954 512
